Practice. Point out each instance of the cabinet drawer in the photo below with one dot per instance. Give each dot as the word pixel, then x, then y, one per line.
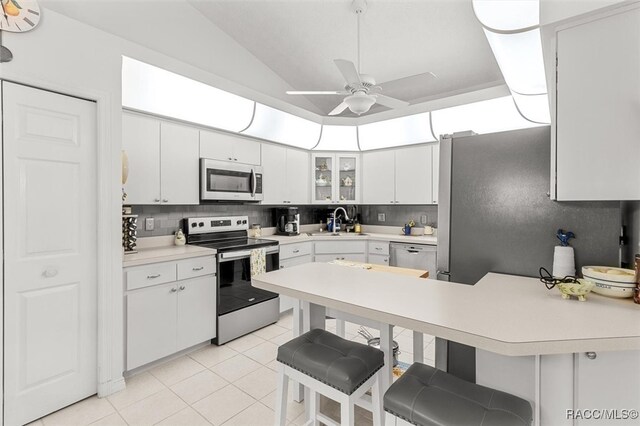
pixel 324 247
pixel 355 257
pixel 288 251
pixel 288 263
pixel 378 259
pixel 145 276
pixel 196 267
pixel 378 247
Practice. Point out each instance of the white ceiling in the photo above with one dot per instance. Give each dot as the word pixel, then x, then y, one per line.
pixel 298 40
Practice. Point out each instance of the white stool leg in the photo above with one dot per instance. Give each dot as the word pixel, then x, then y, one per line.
pixel 314 408
pixel 282 392
pixel 347 412
pixel 340 328
pixel 376 402
pixel 390 419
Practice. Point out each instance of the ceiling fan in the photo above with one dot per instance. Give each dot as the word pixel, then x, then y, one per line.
pixel 360 89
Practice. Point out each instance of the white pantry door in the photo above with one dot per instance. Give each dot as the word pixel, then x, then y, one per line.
pixel 50 279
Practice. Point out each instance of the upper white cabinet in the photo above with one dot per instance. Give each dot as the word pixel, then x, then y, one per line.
pixel 286 175
pixel 227 147
pixel 335 178
pixel 163 161
pixel 598 105
pixel 400 176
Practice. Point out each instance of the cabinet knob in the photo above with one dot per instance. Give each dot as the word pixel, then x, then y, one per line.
pixel 230 158
pixel 235 159
pixel 157 200
pixel 591 355
pixel 164 200
pixel 296 251
pixel 50 272
pixel 173 290
pixel 182 287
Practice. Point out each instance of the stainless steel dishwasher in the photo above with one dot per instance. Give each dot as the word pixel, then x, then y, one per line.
pixel 414 256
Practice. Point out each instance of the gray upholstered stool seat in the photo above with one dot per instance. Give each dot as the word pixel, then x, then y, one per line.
pixel 426 396
pixel 332 360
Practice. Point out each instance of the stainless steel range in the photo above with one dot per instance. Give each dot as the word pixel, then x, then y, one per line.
pixel 242 308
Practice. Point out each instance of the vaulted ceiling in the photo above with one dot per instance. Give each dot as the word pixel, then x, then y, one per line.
pixel 298 40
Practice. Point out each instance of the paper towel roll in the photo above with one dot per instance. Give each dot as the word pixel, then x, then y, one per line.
pixel 563 262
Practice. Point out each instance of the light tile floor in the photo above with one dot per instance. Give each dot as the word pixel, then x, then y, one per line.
pixel 230 385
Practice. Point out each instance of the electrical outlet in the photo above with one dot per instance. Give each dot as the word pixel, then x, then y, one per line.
pixel 423 219
pixel 149 224
pixel 382 217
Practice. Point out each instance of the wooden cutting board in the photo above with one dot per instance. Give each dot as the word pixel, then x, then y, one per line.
pixel 419 273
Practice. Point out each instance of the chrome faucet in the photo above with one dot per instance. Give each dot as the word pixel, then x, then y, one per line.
pixel 346 217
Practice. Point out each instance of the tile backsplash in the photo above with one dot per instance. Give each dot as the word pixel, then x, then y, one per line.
pixel 167 219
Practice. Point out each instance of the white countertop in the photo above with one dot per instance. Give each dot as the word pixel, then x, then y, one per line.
pixel 147 255
pixel 285 239
pixel 505 314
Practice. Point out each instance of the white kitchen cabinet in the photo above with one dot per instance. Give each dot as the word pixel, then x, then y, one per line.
pixel 228 147
pixel 335 178
pixel 398 176
pixel 179 164
pixel 165 315
pixel 378 177
pixel 292 255
pixel 598 99
pixel 355 257
pixel 607 380
pixel 151 324
pixel 326 251
pixel 141 142
pixel 163 161
pixel 286 175
pixel 414 170
pixel 378 259
pixel 196 314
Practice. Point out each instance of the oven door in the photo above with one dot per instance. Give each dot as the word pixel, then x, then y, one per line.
pixel 234 280
pixel 223 181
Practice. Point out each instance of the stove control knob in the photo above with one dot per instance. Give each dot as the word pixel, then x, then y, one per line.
pixel 239 222
pixel 244 222
pixel 193 224
pixel 201 224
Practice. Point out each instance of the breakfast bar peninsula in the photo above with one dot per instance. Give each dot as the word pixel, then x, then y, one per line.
pixel 562 355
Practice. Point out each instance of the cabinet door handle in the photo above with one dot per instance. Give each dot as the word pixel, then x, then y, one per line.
pixel 392 202
pixel 152 277
pixel 235 159
pixel 296 251
pixel 591 355
pixel 230 158
pixel 164 200
pixel 50 272
pixel 199 268
pixel 173 290
pixel 157 200
pixel 378 248
pixel 182 287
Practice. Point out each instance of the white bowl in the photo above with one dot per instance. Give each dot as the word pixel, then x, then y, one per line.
pixel 610 274
pixel 613 290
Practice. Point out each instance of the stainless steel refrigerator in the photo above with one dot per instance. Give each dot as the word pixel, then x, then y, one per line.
pixel 495 215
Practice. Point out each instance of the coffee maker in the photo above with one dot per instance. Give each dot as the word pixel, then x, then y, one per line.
pixel 287 221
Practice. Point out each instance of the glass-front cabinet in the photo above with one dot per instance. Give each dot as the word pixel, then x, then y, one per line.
pixel 336 178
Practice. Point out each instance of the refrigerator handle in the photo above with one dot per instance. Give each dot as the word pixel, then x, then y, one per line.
pixel 444 204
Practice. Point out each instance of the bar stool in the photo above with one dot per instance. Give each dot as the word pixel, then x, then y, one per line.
pixel 334 367
pixel 426 396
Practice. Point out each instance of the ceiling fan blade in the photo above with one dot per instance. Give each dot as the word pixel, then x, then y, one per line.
pixel 415 79
pixel 337 110
pixel 390 102
pixel 316 92
pixel 348 71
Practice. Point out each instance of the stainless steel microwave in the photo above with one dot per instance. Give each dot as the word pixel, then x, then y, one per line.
pixel 227 181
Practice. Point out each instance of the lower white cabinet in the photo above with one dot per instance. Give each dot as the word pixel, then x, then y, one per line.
pixel 292 255
pixel 165 318
pixel 378 259
pixel 355 257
